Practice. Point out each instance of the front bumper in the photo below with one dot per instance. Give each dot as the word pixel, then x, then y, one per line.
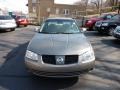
pixel 89 25
pixel 48 70
pixel 8 26
pixel 22 23
pixel 103 29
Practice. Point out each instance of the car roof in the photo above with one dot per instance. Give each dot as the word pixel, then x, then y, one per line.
pixel 20 16
pixel 117 15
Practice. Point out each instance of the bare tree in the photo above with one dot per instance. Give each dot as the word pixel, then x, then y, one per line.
pixel 112 2
pixel 98 4
pixel 83 4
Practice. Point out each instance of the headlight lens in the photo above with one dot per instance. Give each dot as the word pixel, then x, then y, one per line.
pixel 105 24
pixel 31 55
pixel 89 21
pixel 118 30
pixel 87 57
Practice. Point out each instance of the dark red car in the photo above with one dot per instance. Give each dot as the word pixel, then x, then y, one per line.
pixel 22 20
pixel 91 22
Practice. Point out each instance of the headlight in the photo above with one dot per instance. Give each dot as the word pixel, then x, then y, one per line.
pixel 90 21
pixel 118 30
pixel 105 24
pixel 86 57
pixel 31 55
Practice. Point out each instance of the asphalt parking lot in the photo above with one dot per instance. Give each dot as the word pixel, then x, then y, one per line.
pixel 14 75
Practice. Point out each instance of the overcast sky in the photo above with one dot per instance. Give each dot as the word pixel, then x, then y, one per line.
pixel 20 5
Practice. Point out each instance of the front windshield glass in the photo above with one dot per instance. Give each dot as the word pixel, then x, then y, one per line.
pixel 102 16
pixel 59 26
pixel 116 17
pixel 5 18
pixel 106 16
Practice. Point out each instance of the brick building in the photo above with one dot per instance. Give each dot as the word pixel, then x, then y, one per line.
pixel 41 9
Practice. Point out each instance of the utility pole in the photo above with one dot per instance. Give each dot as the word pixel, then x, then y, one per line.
pixel 86 4
pixel 100 6
pixel 38 11
pixel 119 7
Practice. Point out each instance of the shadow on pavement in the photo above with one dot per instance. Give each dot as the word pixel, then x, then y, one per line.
pixel 95 33
pixel 112 42
pixel 14 75
pixel 5 31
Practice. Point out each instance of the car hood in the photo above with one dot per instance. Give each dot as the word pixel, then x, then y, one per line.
pixel 58 44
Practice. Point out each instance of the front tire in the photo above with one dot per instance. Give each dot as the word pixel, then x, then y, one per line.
pixel 25 25
pixel 13 29
pixel 92 28
pixel 18 25
pixel 100 32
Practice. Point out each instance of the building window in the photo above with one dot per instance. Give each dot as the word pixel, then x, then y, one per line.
pixel 33 1
pixel 48 10
pixel 74 12
pixel 66 12
pixel 34 9
pixel 78 12
pixel 57 10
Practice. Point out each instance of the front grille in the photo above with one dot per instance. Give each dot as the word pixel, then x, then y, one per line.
pixel 98 23
pixel 71 59
pixel 51 59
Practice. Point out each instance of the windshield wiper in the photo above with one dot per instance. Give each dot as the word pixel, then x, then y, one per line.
pixel 57 33
pixel 67 33
pixel 45 32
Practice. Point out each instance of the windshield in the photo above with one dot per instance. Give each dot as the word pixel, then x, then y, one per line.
pixel 105 16
pixel 116 17
pixel 21 17
pixel 60 26
pixel 102 16
pixel 5 18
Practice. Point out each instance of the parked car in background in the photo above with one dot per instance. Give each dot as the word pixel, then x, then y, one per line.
pixel 90 24
pixel 7 22
pixel 116 33
pixel 81 22
pixel 59 49
pixel 21 20
pixel 108 26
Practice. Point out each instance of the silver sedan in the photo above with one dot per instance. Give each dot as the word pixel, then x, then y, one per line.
pixel 116 33
pixel 59 49
pixel 7 22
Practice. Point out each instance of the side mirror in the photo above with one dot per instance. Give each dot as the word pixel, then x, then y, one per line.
pixel 83 30
pixel 37 29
